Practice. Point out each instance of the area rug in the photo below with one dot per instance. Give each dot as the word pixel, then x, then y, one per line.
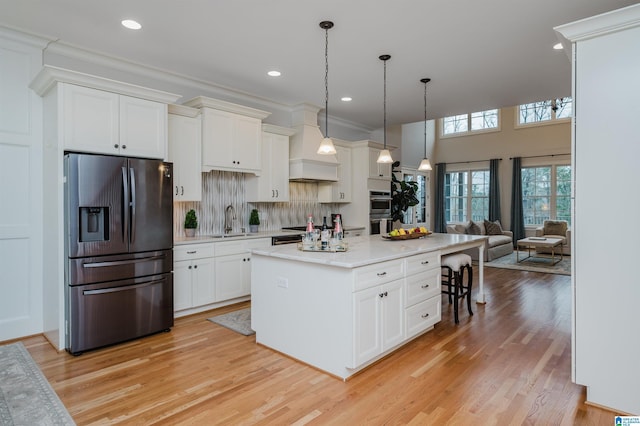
pixel 238 321
pixel 26 398
pixel 533 264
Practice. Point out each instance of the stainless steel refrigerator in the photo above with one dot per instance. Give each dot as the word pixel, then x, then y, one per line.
pixel 119 248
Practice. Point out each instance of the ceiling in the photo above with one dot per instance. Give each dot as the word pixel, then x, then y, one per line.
pixel 479 54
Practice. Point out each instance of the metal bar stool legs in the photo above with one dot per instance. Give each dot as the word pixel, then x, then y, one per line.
pixel 454 266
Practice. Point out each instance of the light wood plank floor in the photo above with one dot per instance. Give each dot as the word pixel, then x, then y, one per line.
pixel 509 364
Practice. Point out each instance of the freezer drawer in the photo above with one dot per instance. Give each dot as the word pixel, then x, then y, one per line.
pixel 113 312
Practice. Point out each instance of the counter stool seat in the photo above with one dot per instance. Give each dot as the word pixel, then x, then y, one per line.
pixel 453 270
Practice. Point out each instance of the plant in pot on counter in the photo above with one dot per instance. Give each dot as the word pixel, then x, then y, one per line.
pixel 254 221
pixel 190 223
pixel 403 195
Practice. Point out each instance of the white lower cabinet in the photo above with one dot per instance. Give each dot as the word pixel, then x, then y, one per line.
pixel 378 320
pixel 423 303
pixel 193 276
pixel 233 267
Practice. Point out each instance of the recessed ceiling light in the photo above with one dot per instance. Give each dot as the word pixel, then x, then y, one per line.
pixel 274 73
pixel 131 24
pixel 346 99
pixel 557 46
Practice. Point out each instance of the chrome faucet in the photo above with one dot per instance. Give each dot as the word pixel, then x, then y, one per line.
pixel 228 222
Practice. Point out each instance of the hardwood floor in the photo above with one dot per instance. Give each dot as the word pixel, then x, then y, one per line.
pixel 508 364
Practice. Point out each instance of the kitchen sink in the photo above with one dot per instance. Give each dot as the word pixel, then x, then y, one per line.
pixel 230 235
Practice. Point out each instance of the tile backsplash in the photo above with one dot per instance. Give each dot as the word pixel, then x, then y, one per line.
pixel 221 189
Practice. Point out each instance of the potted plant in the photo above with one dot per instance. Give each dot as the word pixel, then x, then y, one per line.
pixel 403 195
pixel 254 221
pixel 190 223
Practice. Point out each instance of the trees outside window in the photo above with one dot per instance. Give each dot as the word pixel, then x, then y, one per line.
pixel 472 122
pixel 466 189
pixel 545 111
pixel 546 194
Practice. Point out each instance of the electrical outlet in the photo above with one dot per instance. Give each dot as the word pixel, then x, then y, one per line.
pixel 282 282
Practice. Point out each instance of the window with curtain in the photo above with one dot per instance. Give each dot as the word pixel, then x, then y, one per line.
pixel 546 194
pixel 466 195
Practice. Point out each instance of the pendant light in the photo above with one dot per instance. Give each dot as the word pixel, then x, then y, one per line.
pixel 425 164
pixel 326 146
pixel 385 155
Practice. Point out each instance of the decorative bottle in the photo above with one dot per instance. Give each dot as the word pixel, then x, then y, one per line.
pixel 324 234
pixel 310 229
pixel 338 233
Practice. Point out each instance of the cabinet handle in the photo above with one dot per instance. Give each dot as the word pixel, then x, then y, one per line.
pixel 181 190
pixel 277 195
pixel 426 262
pixel 381 295
pixel 425 315
pixel 425 286
pixel 192 252
pixel 176 189
pixel 381 274
pixel 124 147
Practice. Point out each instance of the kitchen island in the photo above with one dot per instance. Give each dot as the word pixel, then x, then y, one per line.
pixel 340 312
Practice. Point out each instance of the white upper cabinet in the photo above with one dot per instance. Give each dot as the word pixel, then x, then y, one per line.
pixel 103 116
pixel 273 183
pixel 185 151
pixel 231 136
pixel 340 191
pixel 109 123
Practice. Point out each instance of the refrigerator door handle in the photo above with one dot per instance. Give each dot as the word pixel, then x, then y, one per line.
pixel 123 288
pixel 125 205
pixel 122 262
pixel 132 175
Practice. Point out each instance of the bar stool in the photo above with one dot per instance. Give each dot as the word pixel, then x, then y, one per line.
pixel 453 267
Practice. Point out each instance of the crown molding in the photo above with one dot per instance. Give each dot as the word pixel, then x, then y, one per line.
pixel 16 35
pixel 49 76
pixel 183 110
pixel 599 25
pixel 205 102
pixel 278 130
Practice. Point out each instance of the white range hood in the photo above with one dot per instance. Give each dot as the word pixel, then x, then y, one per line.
pixel 305 164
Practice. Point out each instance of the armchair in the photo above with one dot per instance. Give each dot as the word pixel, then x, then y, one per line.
pixel 555 229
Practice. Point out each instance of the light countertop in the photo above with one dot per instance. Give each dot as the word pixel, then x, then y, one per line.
pixel 367 250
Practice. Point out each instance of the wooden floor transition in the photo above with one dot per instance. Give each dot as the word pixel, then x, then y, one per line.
pixel 509 364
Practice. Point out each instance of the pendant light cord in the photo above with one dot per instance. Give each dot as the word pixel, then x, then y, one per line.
pixel 384 105
pixel 326 82
pixel 425 119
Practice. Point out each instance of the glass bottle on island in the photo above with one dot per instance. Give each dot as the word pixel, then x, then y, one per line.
pixel 324 234
pixel 338 233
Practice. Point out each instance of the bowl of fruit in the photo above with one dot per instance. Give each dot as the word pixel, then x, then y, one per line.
pixel 407 234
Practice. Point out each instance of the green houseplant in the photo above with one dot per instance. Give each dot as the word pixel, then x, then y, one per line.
pixel 403 195
pixel 254 220
pixel 190 223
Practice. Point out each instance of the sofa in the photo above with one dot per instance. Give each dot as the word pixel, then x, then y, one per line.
pixel 499 243
pixel 555 229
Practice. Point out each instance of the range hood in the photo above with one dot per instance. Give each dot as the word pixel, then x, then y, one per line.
pixel 305 164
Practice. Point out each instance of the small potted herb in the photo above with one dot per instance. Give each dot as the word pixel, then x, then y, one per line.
pixel 254 221
pixel 190 223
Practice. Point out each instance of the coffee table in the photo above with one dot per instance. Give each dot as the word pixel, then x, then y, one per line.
pixel 533 242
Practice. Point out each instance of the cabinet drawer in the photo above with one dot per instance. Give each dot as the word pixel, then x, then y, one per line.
pixel 193 251
pixel 379 273
pixel 419 317
pixel 422 286
pixel 230 247
pixel 423 262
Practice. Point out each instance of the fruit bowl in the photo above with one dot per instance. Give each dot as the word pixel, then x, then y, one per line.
pixel 407 236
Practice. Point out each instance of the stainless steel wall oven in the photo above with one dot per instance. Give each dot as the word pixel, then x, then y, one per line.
pixel 379 211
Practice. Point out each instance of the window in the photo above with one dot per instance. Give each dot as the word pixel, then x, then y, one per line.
pixel 418 214
pixel 476 121
pixel 463 189
pixel 545 111
pixel 546 194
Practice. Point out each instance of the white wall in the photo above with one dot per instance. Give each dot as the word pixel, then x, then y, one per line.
pixel 605 282
pixel 21 187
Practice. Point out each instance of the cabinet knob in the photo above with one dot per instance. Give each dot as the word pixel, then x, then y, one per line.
pixel 195 266
pixel 189 267
pixel 425 315
pixel 381 295
pixel 124 147
pixel 116 146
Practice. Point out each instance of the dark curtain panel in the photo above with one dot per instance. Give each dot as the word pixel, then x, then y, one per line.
pixel 494 191
pixel 517 215
pixel 440 223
